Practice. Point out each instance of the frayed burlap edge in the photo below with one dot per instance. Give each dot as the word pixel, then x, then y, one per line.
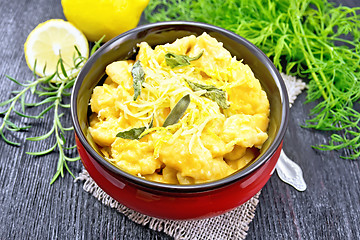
pixel 237 219
pixel 294 87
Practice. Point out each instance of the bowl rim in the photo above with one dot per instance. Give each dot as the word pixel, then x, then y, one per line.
pixel 173 187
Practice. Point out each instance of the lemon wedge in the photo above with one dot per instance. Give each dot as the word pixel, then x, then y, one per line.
pixel 50 40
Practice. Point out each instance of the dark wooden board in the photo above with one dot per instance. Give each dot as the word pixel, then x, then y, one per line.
pixel 32 209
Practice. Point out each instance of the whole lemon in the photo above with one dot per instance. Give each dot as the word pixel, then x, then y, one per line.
pixel 96 18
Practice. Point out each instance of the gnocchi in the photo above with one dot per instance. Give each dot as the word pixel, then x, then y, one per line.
pixel 209 142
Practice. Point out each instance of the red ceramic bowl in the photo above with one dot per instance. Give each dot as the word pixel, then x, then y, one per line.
pixel 179 201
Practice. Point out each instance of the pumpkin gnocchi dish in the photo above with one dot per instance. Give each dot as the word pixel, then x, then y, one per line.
pixel 181 113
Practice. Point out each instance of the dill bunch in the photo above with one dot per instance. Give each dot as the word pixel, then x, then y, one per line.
pixel 312 39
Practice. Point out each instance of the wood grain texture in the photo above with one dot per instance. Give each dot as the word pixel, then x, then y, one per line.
pixel 32 209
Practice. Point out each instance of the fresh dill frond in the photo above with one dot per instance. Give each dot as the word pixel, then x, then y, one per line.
pixel 312 39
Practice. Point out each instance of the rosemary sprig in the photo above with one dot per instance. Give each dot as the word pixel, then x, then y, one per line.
pixel 51 94
pixel 57 129
pixel 315 39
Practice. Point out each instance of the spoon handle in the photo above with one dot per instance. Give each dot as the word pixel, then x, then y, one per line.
pixel 290 173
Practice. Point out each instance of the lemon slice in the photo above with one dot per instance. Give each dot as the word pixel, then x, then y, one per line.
pixel 50 40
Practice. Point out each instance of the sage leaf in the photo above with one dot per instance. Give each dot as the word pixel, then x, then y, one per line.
pixel 178 110
pixel 213 93
pixel 138 75
pixel 132 134
pixel 135 133
pixel 173 60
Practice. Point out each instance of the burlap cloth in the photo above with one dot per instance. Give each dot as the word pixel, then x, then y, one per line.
pixel 231 225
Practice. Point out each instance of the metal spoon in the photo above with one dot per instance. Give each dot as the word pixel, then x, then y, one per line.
pixel 290 173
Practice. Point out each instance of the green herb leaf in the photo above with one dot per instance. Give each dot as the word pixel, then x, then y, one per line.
pixel 96 45
pixel 178 110
pixel 15 81
pixel 7 140
pixel 13 127
pixel 61 63
pixel 173 60
pixel 138 75
pixel 44 152
pixel 135 133
pixel 212 92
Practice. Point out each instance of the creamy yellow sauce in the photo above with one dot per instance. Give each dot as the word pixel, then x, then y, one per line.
pixel 208 142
